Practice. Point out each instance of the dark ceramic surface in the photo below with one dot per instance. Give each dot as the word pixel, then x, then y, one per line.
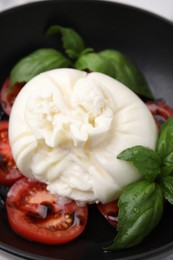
pixel 148 41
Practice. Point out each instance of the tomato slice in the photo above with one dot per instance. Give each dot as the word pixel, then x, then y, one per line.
pixel 8 170
pixel 7 97
pixel 37 215
pixel 160 111
pixel 110 212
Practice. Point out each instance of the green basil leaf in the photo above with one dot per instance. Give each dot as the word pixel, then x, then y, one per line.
pixel 167 165
pixel 165 139
pixel 116 65
pixel 167 188
pixel 38 61
pixel 144 159
pixel 87 50
pixel 140 210
pixel 127 73
pixel 72 41
pixel 95 62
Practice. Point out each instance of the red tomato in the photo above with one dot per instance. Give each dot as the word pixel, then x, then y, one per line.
pixel 35 214
pixel 7 97
pixel 8 170
pixel 110 212
pixel 160 110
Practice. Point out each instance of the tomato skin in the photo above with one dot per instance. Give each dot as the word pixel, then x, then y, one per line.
pixel 8 170
pixel 160 111
pixel 60 225
pixel 110 212
pixel 7 98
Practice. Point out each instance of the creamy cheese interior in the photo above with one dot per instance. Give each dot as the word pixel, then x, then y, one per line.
pixel 67 128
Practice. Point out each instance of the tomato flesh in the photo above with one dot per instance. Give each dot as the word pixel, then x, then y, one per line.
pixel 110 212
pixel 160 111
pixel 37 215
pixel 8 169
pixel 7 97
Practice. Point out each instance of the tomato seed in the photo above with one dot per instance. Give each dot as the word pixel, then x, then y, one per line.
pixel 69 220
pixel 64 225
pixel 3 134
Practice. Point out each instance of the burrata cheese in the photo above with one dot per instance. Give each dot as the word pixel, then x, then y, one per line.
pixel 67 127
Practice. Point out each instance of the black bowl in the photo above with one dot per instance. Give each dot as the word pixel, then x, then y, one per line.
pixel 148 40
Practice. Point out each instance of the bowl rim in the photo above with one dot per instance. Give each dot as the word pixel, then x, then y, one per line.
pixel 108 2
pixel 162 251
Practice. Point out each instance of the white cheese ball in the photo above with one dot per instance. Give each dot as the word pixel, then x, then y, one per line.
pixel 67 128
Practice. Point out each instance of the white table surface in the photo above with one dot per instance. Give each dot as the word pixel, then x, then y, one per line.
pixel 164 8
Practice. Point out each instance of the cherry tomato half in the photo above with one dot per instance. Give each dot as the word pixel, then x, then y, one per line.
pixel 37 215
pixel 7 97
pixel 8 169
pixel 110 212
pixel 160 111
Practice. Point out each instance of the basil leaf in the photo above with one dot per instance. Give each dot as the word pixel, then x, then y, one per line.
pixel 144 159
pixel 116 65
pixel 167 165
pixel 167 188
pixel 127 73
pixel 38 61
pixel 95 62
pixel 140 210
pixel 165 139
pixel 72 41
